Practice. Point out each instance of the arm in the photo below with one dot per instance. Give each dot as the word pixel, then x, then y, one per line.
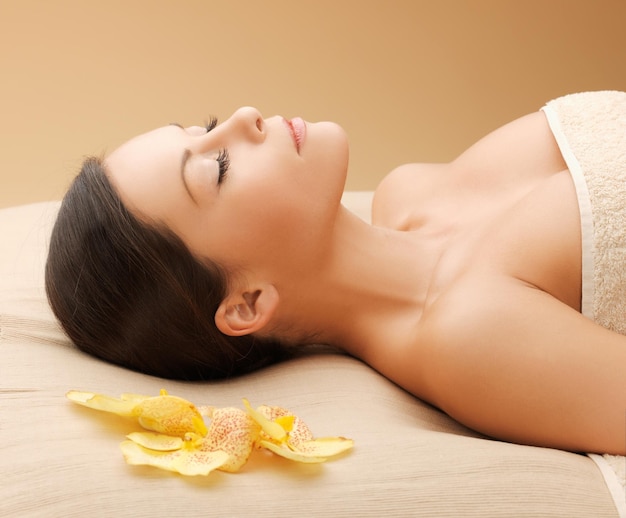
pixel 521 366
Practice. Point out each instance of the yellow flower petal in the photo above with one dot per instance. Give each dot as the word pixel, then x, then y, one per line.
pixel 156 441
pixel 137 398
pixel 286 422
pixel 299 431
pixel 182 443
pixel 284 451
pixel 232 431
pixel 170 415
pixel 271 428
pixel 323 447
pixel 183 461
pixel 300 444
pixel 312 451
pixel 121 407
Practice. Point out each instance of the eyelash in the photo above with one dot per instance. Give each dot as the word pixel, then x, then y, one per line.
pixel 210 124
pixel 223 160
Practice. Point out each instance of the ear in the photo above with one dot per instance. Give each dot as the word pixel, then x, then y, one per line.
pixel 248 312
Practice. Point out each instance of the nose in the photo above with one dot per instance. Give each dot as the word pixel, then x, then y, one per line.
pixel 249 122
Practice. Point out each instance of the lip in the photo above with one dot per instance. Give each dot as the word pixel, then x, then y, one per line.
pixel 297 129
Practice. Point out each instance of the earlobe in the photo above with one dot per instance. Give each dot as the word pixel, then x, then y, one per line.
pixel 246 313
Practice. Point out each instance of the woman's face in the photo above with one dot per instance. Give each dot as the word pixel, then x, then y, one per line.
pixel 244 193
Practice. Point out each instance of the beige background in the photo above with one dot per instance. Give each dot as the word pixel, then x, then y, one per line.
pixel 410 80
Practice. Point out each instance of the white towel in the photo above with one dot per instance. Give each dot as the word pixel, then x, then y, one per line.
pixel 590 129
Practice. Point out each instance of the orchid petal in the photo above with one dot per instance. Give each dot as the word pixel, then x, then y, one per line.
pixel 137 398
pixel 232 430
pixel 300 441
pixel 156 441
pixel 318 450
pixel 323 447
pixel 179 440
pixel 170 415
pixel 121 407
pixel 166 414
pixel 290 454
pixel 271 428
pixel 299 431
pixel 181 461
pixel 286 422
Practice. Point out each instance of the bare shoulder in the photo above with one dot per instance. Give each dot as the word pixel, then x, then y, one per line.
pixel 401 191
pixel 513 362
pixel 521 148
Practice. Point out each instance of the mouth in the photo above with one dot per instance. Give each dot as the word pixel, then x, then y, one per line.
pixel 297 129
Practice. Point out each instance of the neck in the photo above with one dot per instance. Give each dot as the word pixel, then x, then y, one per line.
pixel 370 287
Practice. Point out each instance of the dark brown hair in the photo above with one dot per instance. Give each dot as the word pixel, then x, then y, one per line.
pixel 133 294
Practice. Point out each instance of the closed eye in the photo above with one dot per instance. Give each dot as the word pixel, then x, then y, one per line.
pixel 223 161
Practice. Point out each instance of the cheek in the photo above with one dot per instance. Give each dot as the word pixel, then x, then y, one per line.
pixel 272 222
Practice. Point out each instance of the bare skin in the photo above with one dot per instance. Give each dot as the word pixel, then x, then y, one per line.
pixel 465 290
pixel 501 345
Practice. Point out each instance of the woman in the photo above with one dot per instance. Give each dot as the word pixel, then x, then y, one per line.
pixel 202 252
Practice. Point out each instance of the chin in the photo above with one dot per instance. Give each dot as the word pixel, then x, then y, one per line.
pixel 334 140
pixel 343 153
pixel 327 151
pixel 332 130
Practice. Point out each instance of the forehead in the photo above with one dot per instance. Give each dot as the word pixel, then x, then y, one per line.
pixel 144 169
pixel 140 148
pixel 155 154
